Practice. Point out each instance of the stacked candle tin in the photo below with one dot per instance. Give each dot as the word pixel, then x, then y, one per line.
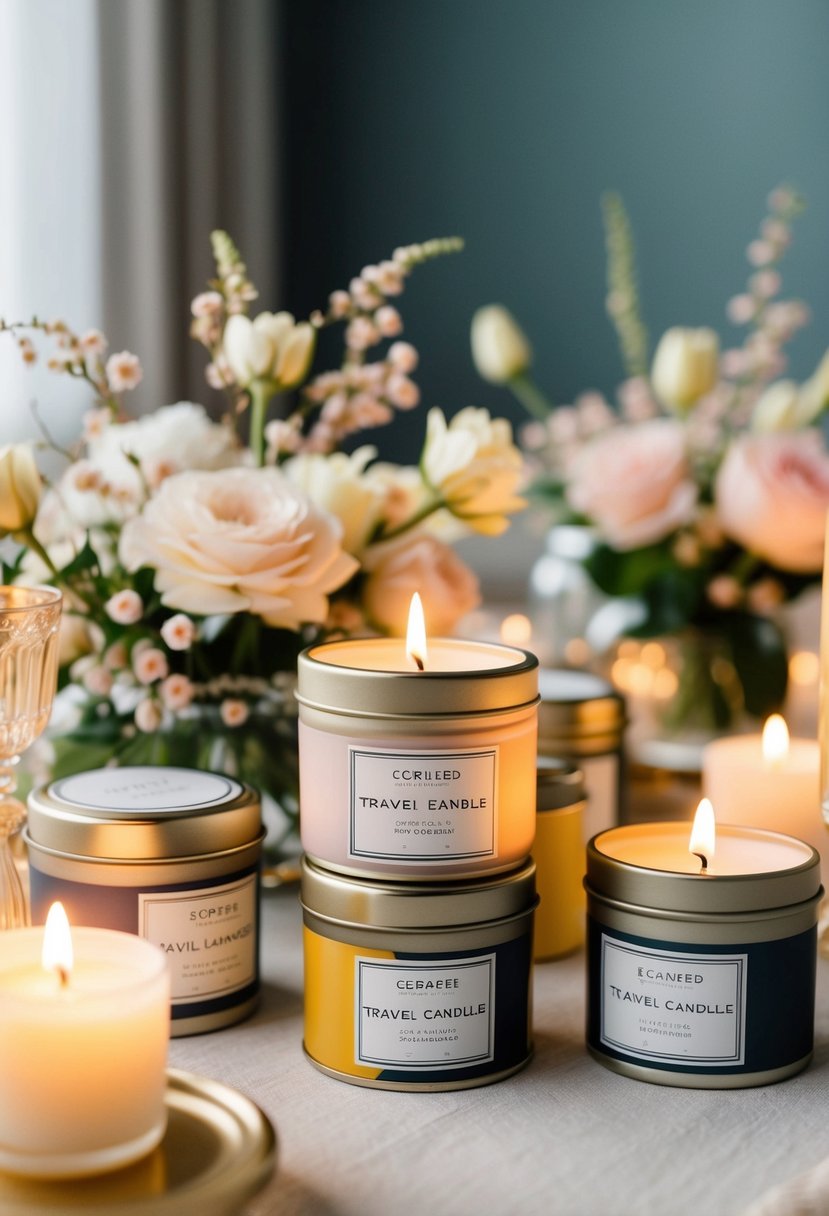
pixel 417 792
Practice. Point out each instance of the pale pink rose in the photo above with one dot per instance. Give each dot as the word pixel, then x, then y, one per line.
pixel 239 540
pixel 98 681
pixel 125 607
pixel 634 483
pixel 123 371
pixel 339 303
pixel 234 712
pixel 176 692
pixel 178 632
pixel 724 591
pixel 93 342
pixel 388 321
pixel 402 392
pixel 147 715
pixel 772 494
pixel 402 356
pixel 150 665
pixel 207 304
pixel 116 656
pixel 447 586
pixel 360 334
pixel 765 596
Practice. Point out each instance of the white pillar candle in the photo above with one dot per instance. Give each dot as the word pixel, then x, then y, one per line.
pixel 83 1048
pixel 774 785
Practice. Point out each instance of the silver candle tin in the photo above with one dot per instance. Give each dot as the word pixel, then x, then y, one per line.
pixel 706 982
pixel 170 854
pixel 581 719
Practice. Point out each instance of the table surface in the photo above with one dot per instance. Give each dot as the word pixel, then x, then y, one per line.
pixel 565 1136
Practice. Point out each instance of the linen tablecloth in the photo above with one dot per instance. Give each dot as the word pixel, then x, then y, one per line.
pixel 565 1137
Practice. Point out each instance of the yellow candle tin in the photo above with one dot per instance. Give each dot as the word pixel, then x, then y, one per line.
pixel 418 987
pixel 560 859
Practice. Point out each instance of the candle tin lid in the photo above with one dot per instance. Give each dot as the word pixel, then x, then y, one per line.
pixel 559 785
pixel 143 812
pixel 218 1151
pixel 579 712
pixel 406 907
pixel 328 684
pixel 670 891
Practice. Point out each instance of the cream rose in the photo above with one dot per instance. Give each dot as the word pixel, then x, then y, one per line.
pixel 634 483
pixel 472 464
pixel 239 540
pixel 772 495
pixel 447 587
pixel 337 483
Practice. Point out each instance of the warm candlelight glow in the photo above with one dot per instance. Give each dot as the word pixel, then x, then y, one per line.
pixel 704 834
pixel 516 629
pixel 416 634
pixel 775 740
pixel 804 668
pixel 57 952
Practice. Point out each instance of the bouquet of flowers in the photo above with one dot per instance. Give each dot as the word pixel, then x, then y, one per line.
pixel 195 566
pixel 706 484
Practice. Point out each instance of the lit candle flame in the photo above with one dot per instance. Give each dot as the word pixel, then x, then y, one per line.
pixel 704 834
pixel 416 634
pixel 57 954
pixel 775 740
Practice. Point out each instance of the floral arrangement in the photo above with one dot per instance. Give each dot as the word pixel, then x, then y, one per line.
pixel 195 566
pixel 706 483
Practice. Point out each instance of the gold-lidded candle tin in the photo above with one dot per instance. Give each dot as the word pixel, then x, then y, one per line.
pixel 701 980
pixel 418 986
pixel 170 854
pixel 414 775
pixel 581 719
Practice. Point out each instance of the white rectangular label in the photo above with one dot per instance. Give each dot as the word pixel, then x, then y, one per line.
pixel 422 806
pixel 673 1006
pixel 425 1015
pixel 208 936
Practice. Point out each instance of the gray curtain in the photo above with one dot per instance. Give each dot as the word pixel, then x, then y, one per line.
pixel 189 130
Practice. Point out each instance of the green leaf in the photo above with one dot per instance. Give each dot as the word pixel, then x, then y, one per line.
pixel 628 573
pixel 83 561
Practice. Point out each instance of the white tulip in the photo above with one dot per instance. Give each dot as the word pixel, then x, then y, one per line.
pixel 777 408
pixel 814 394
pixel 500 349
pixel 685 366
pixel 271 347
pixel 475 468
pixel 20 488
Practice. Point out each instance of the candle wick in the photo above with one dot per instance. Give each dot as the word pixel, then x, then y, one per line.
pixel 703 862
pixel 418 662
pixel 63 976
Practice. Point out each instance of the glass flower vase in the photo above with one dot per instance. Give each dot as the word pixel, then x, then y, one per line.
pixel 685 689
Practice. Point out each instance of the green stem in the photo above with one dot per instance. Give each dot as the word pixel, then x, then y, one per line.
pixel 260 394
pixel 412 521
pixel 531 397
pixel 28 538
pixel 744 567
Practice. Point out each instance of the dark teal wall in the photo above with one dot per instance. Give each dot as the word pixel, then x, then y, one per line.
pixel 504 120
